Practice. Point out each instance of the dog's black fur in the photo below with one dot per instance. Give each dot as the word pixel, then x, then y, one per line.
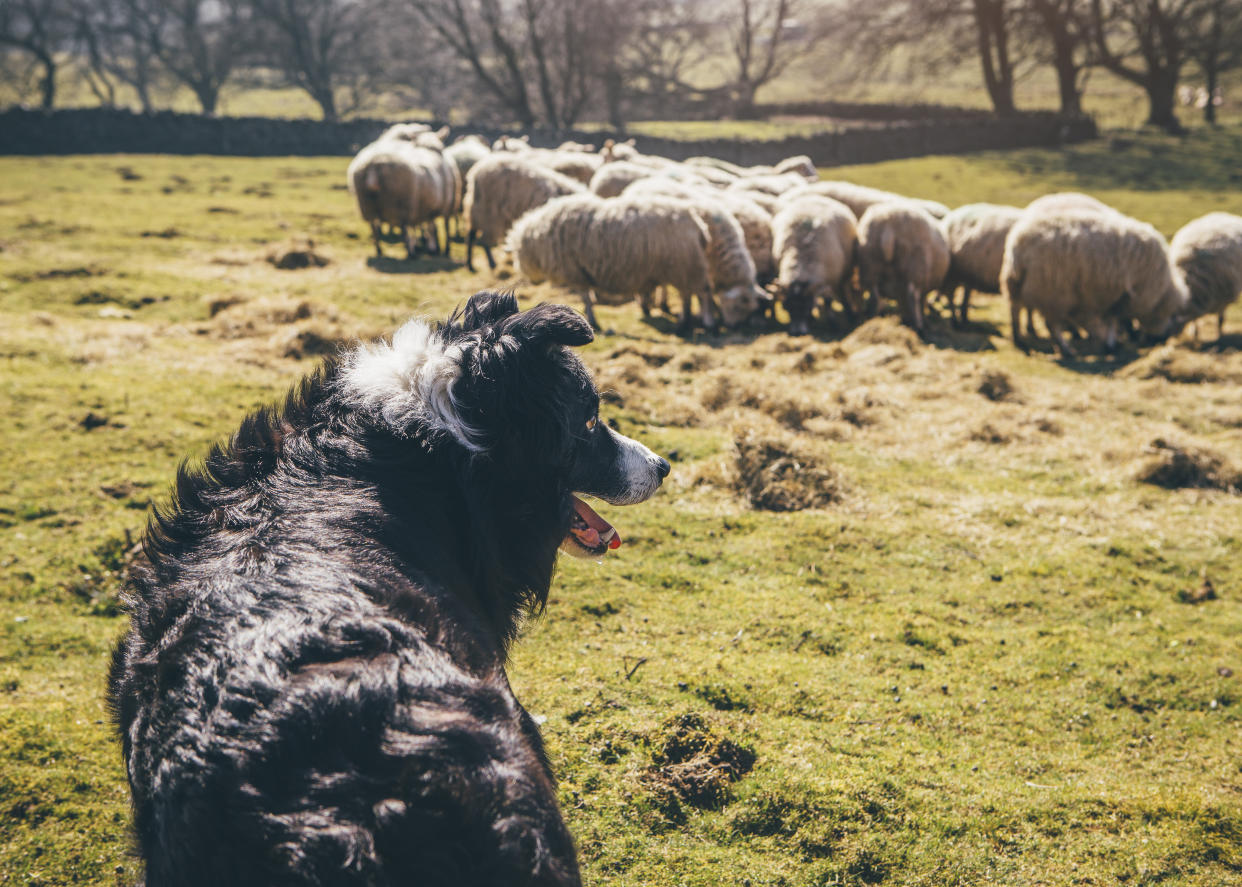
pixel 312 690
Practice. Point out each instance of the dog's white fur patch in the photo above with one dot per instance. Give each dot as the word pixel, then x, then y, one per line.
pixel 410 379
pixel 638 465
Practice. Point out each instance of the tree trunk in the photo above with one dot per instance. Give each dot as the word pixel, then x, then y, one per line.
pixel 1213 83
pixel 614 85
pixel 208 95
pixel 327 104
pixel 1161 95
pixel 1067 76
pixel 47 84
pixel 994 54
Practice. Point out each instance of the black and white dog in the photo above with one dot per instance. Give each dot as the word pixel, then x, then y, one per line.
pixel 313 689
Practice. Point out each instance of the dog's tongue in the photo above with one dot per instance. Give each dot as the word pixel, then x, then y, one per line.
pixel 597 528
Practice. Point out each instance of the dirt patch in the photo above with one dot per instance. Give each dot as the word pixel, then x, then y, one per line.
pixel 163 234
pixel 62 273
pixel 996 386
pixel 777 475
pixel 695 763
pixel 989 433
pixel 1180 466
pixel 297 255
pixel 1180 364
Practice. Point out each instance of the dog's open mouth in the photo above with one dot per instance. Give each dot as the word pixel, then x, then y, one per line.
pixel 589 534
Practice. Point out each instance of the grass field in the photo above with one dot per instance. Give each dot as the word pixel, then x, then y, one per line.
pixel 977 659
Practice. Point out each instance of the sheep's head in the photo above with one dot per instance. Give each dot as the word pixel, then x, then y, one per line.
pixel 739 303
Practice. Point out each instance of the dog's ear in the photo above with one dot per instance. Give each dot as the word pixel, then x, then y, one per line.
pixel 550 324
pixel 484 309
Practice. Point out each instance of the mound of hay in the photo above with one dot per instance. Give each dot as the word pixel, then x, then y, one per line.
pixel 775 475
pixel 239 319
pixel 695 762
pixel 1180 364
pixel 1177 467
pixel 296 255
pixel 883 331
pixel 308 340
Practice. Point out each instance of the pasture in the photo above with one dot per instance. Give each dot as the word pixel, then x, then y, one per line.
pixel 1003 644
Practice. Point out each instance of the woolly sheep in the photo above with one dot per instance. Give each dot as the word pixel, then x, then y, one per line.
pixel 581 147
pixel 755 221
pixel 975 235
pixel 1208 254
pixel 501 188
pixel 404 131
pixel 403 185
pixel 799 164
pixel 860 198
pixel 613 178
pixel 902 256
pixel 1089 269
pixel 1067 201
pixel 625 247
pixel 516 144
pixel 715 163
pixel 816 241
pixel 578 165
pixel 775 184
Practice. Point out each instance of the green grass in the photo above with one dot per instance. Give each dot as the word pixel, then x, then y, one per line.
pixel 974 668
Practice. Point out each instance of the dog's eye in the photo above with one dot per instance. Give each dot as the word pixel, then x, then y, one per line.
pixel 592 422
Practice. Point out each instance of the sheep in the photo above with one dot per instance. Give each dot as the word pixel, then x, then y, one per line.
pixel 816 243
pixel 614 150
pixel 775 184
pixel 580 147
pixel 902 256
pixel 515 144
pixel 577 165
pixel 404 131
pixel 715 163
pixel 614 177
pixel 755 221
pixel 799 164
pixel 1207 253
pixel 625 247
pixel 499 189
pixel 1089 269
pixel 1067 201
pixel 402 185
pixel 859 198
pixel 464 154
pixel 975 234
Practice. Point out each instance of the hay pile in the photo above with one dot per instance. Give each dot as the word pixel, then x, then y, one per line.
pixel 776 475
pixel 1179 363
pixel 1181 466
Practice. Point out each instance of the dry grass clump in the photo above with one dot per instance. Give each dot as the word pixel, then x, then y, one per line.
pixel 296 254
pixel 1180 466
pixel 990 433
pixel 1178 363
pixel 655 358
pixel 238 319
pixel 883 331
pixel 775 474
pixel 312 339
pixel 996 386
pixel 694 761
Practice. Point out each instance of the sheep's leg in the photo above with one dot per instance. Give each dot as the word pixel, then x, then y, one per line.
pixel 644 302
pixel 686 324
pixel 588 308
pixel 434 249
pixel 407 237
pixel 914 308
pixel 1015 326
pixel 1059 338
pixel 470 250
pixel 1220 325
pixel 963 310
pixel 662 301
pixel 487 251
pixel 709 315
pixel 375 235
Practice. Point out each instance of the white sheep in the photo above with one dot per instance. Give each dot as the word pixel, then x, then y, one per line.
pixel 464 154
pixel 1208 254
pixel 799 164
pixel 756 222
pixel 502 187
pixel 1067 201
pixel 1089 269
pixel 581 147
pixel 398 183
pixel 625 247
pixel 815 240
pixel 578 165
pixel 902 256
pixel 860 198
pixel 614 177
pixel 774 185
pixel 515 144
pixel 975 235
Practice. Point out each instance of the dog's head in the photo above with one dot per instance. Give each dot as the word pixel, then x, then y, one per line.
pixel 504 387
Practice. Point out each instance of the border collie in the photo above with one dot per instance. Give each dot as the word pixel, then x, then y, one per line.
pixel 312 690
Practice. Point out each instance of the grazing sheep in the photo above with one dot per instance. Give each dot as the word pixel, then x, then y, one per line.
pixel 715 163
pixel 1067 201
pixel 756 222
pixel 581 147
pixel 975 235
pixel 464 154
pixel 1208 254
pixel 613 150
pixel 614 177
pixel 774 185
pixel 717 177
pixel 628 247
pixel 402 185
pixel 404 131
pixel 799 164
pixel 1089 269
pixel 577 165
pixel 816 242
pixel 860 198
pixel 515 144
pixel 902 256
pixel 502 187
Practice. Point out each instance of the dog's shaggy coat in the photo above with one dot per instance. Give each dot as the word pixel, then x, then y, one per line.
pixel 312 690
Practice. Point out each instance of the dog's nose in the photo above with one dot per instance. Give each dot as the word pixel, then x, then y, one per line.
pixel 663 467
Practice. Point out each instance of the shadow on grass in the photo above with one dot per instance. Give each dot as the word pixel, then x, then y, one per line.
pixel 422 264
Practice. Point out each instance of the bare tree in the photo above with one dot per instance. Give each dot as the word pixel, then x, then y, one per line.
pixel 1148 42
pixel 115 48
pixel 1062 25
pixel 765 36
pixel 41 29
pixel 326 48
pixel 1217 48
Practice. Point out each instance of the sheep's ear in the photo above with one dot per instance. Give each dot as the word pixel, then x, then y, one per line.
pixel 442 133
pixel 550 324
pixel 631 142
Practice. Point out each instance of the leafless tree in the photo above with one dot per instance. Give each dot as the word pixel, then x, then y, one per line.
pixel 40 29
pixel 765 36
pixel 328 48
pixel 1063 28
pixel 1217 48
pixel 114 47
pixel 1148 42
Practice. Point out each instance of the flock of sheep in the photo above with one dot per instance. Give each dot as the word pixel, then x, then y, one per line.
pixel 615 224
